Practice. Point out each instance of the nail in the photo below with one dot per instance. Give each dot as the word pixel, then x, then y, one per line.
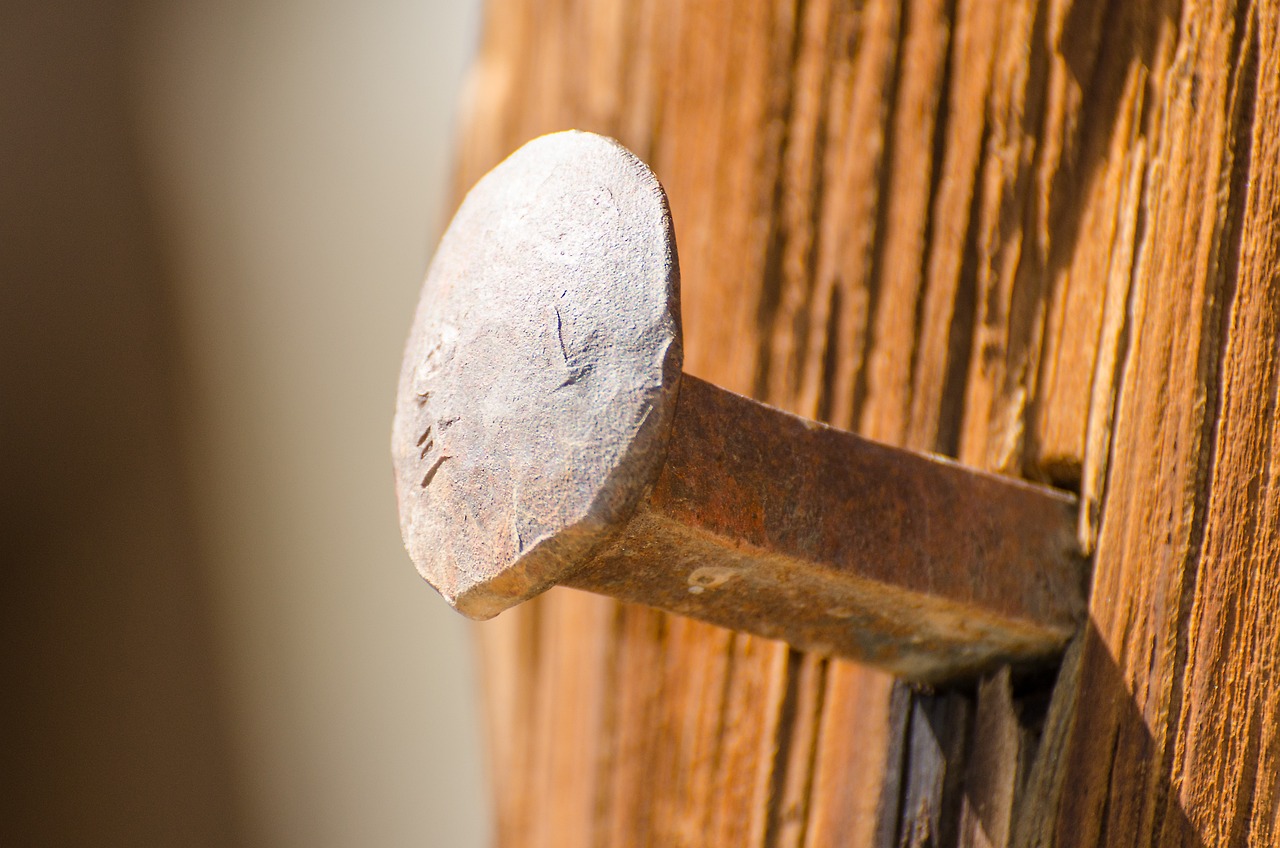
pixel 544 434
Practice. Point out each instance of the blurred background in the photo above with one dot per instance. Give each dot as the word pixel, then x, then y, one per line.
pixel 214 218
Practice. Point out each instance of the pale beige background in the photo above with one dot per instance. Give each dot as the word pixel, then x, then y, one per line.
pixel 299 152
pixel 214 218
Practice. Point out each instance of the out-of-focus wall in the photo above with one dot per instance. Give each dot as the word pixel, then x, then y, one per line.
pixel 216 216
pixel 112 727
pixel 297 154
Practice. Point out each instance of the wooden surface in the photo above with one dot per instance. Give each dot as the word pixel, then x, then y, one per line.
pixel 1039 236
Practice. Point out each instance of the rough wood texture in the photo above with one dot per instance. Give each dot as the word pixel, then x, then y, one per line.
pixel 1041 236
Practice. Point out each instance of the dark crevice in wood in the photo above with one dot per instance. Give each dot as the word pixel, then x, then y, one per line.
pixel 1038 803
pixel 884 176
pixel 830 352
pixel 776 815
pixel 1239 834
pixel 1125 336
pixel 1092 31
pixel 801 328
pixel 1031 287
pixel 1082 35
pixel 1059 475
pixel 937 158
pixel 1244 71
pixel 1242 91
pixel 960 332
pixel 1107 35
pixel 894 785
pixel 1032 695
pixel 774 278
pixel 1104 816
pixel 811 760
pixel 937 743
pixel 796 324
pixel 782 752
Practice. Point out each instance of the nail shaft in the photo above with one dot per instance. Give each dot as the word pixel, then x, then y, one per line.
pixel 768 523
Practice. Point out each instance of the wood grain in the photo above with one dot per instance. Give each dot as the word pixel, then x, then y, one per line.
pixel 1041 236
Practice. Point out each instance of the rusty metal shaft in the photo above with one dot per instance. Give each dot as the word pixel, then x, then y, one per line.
pixel 769 523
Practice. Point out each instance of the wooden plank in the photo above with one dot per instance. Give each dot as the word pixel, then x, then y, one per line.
pixel 935 755
pixel 836 330
pixel 1041 235
pixel 508 653
pixel 571 745
pixel 1122 742
pixel 1090 276
pixel 639 686
pixel 904 216
pixel 859 759
pixel 992 775
pixel 1224 763
pixel 806 688
pixel 946 321
pixel 1006 334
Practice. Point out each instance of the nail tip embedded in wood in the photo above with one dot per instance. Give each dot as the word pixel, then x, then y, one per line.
pixel 541 371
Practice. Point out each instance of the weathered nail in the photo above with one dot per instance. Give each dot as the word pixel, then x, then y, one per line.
pixel 544 434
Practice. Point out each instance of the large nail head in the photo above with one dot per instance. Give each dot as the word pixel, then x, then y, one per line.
pixel 541 373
